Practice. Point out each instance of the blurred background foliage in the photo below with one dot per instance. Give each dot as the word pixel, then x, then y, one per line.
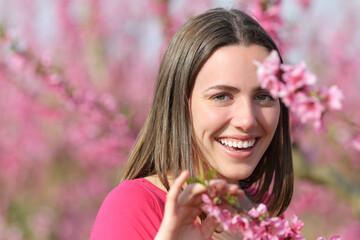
pixel 76 79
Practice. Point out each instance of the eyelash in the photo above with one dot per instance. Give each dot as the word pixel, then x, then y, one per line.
pixel 267 96
pixel 220 95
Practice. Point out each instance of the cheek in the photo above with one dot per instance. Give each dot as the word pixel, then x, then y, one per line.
pixel 268 118
pixel 207 120
pixel 271 120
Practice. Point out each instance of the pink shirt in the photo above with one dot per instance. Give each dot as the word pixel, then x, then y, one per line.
pixel 133 210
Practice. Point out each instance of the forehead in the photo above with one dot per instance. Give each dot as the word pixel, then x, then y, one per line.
pixel 231 65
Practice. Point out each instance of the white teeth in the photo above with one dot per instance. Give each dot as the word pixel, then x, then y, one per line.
pixel 239 144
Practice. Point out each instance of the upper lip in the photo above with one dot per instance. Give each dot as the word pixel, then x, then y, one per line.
pixel 239 137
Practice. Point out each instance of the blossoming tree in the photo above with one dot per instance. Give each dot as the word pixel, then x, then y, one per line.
pixel 75 78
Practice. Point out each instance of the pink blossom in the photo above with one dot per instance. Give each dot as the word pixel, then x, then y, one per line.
pixel 157 8
pixel 297 77
pixel 238 222
pixel 16 62
pixel 221 215
pixel 275 227
pixel 257 224
pixel 206 198
pixel 67 99
pixel 304 3
pixel 270 66
pixel 332 97
pixel 351 229
pixel 268 71
pixel 333 237
pixel 296 224
pixel 259 211
pixel 288 97
pixel 253 213
pixel 268 15
pixel 295 227
pixel 309 109
pixel 295 86
pixel 356 143
pixel 52 79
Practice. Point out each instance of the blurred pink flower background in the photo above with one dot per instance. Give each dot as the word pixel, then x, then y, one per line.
pixel 75 86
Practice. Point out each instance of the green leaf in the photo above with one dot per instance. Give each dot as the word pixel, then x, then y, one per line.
pixel 203 183
pixel 193 180
pixel 230 199
pixel 217 200
pixel 210 174
pixel 196 180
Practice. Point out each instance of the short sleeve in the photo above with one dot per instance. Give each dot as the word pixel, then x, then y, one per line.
pixel 130 211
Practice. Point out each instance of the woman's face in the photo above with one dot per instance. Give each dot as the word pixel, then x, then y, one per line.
pixel 234 120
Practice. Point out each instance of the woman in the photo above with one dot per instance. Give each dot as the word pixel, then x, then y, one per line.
pixel 208 110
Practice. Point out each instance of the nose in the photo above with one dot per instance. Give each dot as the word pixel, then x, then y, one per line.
pixel 244 115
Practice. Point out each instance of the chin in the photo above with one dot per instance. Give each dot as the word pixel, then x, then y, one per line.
pixel 236 176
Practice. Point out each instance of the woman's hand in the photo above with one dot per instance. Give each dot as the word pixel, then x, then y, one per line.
pixel 183 207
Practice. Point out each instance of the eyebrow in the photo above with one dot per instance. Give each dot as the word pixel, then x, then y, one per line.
pixel 223 88
pixel 229 88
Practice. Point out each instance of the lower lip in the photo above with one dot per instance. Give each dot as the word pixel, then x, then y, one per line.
pixel 239 154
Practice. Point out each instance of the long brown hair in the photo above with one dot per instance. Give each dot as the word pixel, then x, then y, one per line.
pixel 165 144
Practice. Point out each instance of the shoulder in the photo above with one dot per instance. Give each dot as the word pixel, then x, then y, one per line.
pixel 134 207
pixel 136 187
pixel 134 192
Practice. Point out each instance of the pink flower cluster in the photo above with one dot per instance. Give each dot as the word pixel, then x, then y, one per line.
pixel 294 84
pixel 256 224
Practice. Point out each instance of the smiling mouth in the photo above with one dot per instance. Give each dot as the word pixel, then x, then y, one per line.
pixel 238 145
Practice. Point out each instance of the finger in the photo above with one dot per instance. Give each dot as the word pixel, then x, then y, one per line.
pixel 219 228
pixel 217 183
pixel 192 194
pixel 216 187
pixel 240 193
pixel 245 203
pixel 208 226
pixel 232 188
